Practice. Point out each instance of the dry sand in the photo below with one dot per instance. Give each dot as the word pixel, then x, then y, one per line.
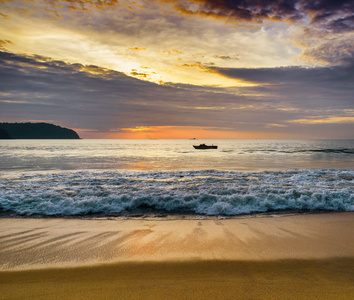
pixel 289 257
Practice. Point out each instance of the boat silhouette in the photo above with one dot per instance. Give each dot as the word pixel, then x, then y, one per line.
pixel 204 146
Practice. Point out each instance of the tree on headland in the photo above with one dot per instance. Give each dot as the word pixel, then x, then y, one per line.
pixel 4 134
pixel 35 131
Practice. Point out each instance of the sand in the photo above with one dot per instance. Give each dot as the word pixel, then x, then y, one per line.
pixel 293 257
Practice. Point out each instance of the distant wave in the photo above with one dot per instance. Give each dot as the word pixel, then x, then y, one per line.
pixel 329 150
pixel 86 193
pixel 343 150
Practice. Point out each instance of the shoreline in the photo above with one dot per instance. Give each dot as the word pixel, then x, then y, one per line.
pixel 168 216
pixel 307 256
pixel 31 243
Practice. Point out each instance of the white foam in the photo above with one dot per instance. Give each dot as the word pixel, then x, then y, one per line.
pixel 197 192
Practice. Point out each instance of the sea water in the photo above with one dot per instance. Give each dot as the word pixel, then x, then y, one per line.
pixel 154 178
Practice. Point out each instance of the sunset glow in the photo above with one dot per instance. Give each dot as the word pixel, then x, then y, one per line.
pixel 184 132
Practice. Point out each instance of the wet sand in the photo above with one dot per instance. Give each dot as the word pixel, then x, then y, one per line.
pixel 293 257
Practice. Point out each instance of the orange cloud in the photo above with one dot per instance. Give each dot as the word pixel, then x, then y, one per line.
pixel 137 5
pixel 173 51
pixel 200 66
pixel 135 73
pixel 3 43
pixel 176 51
pixel 137 49
pixel 327 120
pixel 3 16
pixel 140 129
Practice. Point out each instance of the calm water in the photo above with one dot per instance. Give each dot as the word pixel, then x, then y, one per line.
pixel 155 177
pixel 232 155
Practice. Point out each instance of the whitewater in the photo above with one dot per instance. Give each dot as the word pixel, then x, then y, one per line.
pixel 190 192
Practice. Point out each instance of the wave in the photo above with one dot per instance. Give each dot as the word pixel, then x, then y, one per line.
pixel 328 150
pixel 90 193
pixel 340 150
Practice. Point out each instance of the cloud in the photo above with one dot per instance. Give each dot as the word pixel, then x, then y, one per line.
pixel 138 74
pixel 199 65
pixel 138 129
pixel 295 75
pixel 326 28
pixel 137 49
pixel 3 16
pixel 3 43
pixel 337 15
pixel 298 87
pixel 326 48
pixel 83 5
pixel 225 57
pixel 331 11
pixel 115 38
pixel 342 24
pixel 250 10
pixel 159 25
pixel 87 96
pixel 325 120
pixel 284 102
pixel 311 101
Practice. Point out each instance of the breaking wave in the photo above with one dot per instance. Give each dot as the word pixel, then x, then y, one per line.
pixel 114 193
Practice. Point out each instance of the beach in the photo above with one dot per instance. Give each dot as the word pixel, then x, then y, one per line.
pixel 306 256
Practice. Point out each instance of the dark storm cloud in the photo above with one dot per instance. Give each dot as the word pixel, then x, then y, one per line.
pixel 342 24
pixel 336 14
pixel 254 10
pixel 326 9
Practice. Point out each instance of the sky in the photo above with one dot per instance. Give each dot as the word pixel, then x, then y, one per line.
pixel 228 69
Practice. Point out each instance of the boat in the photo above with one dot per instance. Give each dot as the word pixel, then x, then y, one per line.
pixel 203 146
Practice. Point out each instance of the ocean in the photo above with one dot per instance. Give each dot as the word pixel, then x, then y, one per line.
pixel 170 179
